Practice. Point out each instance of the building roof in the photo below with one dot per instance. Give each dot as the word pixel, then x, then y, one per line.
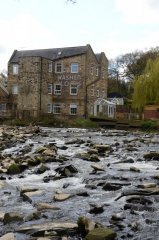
pixel 115 95
pixel 52 53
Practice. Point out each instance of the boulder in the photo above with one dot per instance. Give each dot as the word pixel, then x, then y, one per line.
pixel 97 167
pixel 27 196
pixel 134 169
pixel 102 148
pixel 8 236
pixel 111 187
pixel 44 206
pixel 12 217
pixel 152 156
pixel 85 225
pixel 42 169
pixel 13 169
pixel 62 196
pixel 101 234
pixel 66 170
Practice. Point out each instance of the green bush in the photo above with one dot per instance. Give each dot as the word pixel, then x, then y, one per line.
pixel 150 125
pixel 84 123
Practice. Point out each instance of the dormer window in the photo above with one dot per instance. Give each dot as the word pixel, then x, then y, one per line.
pixel 74 68
pixel 58 68
pixel 15 69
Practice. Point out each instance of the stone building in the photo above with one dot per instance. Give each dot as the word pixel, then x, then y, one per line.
pixel 65 82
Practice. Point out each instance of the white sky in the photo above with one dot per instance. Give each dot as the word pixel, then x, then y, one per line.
pixel 113 26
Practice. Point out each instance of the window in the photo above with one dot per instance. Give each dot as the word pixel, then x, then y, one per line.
pixel 91 70
pixel 57 89
pixel 97 71
pixel 57 108
pixel 97 92
pixel 73 89
pixel 50 67
pixel 49 108
pixel 58 68
pixel 3 107
pixel 14 89
pixel 103 73
pixel 74 68
pixel 15 69
pixel 73 109
pixel 92 90
pixel 49 88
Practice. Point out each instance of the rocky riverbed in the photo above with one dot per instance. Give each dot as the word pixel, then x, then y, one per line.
pixel 58 183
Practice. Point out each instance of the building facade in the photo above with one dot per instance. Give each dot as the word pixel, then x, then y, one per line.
pixel 65 82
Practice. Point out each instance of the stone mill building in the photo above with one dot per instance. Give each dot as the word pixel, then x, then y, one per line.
pixel 66 82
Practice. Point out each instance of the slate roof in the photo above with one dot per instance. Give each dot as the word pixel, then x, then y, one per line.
pixel 52 53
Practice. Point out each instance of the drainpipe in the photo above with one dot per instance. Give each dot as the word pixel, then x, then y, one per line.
pixel 40 89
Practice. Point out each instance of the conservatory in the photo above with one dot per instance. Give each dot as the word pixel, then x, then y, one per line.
pixel 104 108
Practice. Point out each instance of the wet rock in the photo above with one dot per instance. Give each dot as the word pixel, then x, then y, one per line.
pixel 103 148
pixel 12 217
pixel 44 206
pixel 89 157
pixel 117 216
pixel 96 210
pixel 42 169
pixel 33 216
pixel 49 226
pixel 28 196
pixel 111 187
pixel 63 147
pixel 2 184
pixel 101 234
pixel 134 169
pixel 97 167
pixel 83 194
pixel 8 236
pixel 147 185
pixel 85 225
pixel 139 200
pixel 138 207
pixel 1 216
pixel 62 196
pixel 49 152
pixel 67 170
pixel 152 156
pixel 13 169
pixel 91 186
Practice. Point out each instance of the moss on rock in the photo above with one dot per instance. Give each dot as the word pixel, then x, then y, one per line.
pixel 13 169
pixel 101 234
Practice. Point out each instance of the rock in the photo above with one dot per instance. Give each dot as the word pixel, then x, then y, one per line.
pixel 85 225
pixel 134 169
pixel 13 169
pixel 62 226
pixel 12 217
pixel 111 187
pixel 152 156
pixel 40 149
pixel 49 152
pixel 27 196
pixel 26 189
pixel 102 148
pixel 66 170
pixel 97 167
pixel 62 196
pixel 43 206
pixel 2 184
pixel 117 217
pixel 147 185
pixel 1 216
pixel 8 236
pixel 96 210
pixel 42 169
pixel 101 234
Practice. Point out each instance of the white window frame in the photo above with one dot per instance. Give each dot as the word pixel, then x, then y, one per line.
pixel 103 72
pixel 57 108
pixel 74 67
pixel 15 89
pixel 98 93
pixel 73 89
pixel 73 109
pixel 57 67
pixel 15 69
pixel 49 108
pixel 3 107
pixel 49 88
pixel 50 67
pixel 57 91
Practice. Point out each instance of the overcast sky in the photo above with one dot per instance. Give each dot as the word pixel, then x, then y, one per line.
pixel 113 26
